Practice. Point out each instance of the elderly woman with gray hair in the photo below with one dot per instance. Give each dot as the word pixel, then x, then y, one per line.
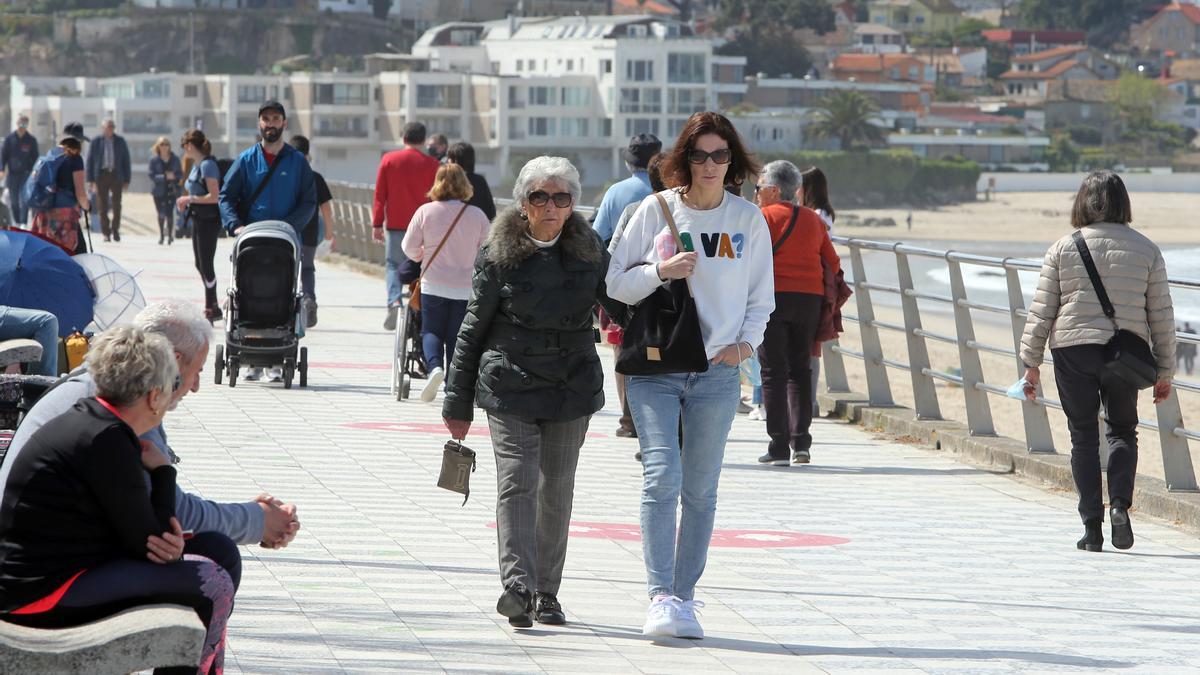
pixel 800 242
pixel 80 538
pixel 526 354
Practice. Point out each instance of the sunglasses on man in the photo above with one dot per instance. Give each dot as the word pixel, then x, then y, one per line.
pixel 540 198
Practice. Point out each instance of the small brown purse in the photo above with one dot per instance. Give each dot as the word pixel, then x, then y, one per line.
pixel 458 463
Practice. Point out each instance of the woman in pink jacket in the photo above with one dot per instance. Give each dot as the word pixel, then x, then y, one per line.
pixel 444 235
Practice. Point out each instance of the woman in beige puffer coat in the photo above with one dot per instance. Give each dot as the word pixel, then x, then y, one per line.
pixel 1066 311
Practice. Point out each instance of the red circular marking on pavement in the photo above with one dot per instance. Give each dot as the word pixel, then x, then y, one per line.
pixel 720 538
pixel 425 428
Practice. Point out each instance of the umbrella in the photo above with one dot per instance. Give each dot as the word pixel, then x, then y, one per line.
pixel 118 297
pixel 35 274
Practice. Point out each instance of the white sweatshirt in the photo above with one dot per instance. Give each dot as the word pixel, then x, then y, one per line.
pixel 733 281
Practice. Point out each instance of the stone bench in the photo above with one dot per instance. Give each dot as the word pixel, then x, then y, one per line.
pixel 19 351
pixel 136 639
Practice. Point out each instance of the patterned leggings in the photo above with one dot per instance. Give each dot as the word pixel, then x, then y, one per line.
pixel 205 580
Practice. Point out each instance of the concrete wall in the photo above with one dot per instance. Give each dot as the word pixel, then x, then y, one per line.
pixel 1069 182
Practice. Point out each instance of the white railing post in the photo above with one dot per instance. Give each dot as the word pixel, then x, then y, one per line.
pixel 979 412
pixel 834 367
pixel 1037 422
pixel 1178 471
pixel 924 390
pixel 878 390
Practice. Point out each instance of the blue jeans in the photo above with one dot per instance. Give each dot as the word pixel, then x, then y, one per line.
pixel 16 184
pixel 440 321
pixel 395 258
pixel 708 402
pixel 33 324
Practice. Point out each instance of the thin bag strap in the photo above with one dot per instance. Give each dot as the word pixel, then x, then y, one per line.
pixel 1105 304
pixel 429 263
pixel 788 232
pixel 249 205
pixel 662 202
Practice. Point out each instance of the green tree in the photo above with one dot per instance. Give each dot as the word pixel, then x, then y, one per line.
pixel 1138 100
pixel 969 33
pixel 1104 20
pixel 1062 155
pixel 851 118
pixel 764 31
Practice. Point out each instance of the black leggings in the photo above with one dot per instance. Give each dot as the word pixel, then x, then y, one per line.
pixel 205 580
pixel 205 230
pixel 166 217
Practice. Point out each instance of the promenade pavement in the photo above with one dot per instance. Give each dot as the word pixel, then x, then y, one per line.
pixel 880 556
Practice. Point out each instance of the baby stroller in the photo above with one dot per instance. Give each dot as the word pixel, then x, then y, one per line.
pixel 262 323
pixel 408 361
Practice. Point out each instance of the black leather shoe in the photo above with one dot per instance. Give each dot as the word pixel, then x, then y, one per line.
pixel 516 603
pixel 548 611
pixel 1122 530
pixel 1093 537
pixel 773 460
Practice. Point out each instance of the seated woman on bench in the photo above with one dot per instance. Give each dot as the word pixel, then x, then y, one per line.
pixel 80 539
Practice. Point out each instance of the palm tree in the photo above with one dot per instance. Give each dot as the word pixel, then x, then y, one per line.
pixel 849 117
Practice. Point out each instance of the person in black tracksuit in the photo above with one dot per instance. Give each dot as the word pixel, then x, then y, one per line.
pixel 200 207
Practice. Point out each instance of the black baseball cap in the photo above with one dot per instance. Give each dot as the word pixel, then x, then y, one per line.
pixel 641 148
pixel 272 105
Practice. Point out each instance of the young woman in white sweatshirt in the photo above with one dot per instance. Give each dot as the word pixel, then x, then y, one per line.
pixel 728 259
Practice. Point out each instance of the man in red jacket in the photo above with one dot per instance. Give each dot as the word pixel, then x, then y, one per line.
pixel 402 185
pixel 800 244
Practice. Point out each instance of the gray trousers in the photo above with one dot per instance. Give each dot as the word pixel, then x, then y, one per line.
pixel 535 486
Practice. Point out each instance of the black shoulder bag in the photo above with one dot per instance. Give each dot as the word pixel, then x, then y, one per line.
pixel 664 334
pixel 1126 355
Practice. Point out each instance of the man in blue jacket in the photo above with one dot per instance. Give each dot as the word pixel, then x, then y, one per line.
pixel 17 157
pixel 108 174
pixel 290 193
pixel 629 191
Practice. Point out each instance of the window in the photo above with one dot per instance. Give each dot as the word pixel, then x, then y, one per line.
pixel 520 65
pixel 644 100
pixel 570 65
pixel 247 125
pixel 191 91
pixel 686 100
pixel 575 127
pixel 439 96
pixel 449 125
pixel 542 96
pixel 341 94
pixel 251 93
pixel 514 97
pixel 515 128
pixel 919 19
pixel 186 122
pixel 639 70
pixel 638 31
pixel 146 123
pixel 342 126
pixel 530 65
pixel 495 67
pixel 577 97
pixel 117 90
pixel 606 128
pixel 912 72
pixel 685 68
pixel 541 126
pixel 635 126
pixel 1085 111
pixel 605 66
pixel 675 125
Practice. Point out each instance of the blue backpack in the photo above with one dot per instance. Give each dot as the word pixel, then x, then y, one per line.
pixel 41 188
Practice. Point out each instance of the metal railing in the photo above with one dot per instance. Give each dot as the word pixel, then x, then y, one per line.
pixel 1173 435
pixel 352 227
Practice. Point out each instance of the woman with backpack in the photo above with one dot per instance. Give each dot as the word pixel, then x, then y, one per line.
pixel 166 173
pixel 200 208
pixel 57 191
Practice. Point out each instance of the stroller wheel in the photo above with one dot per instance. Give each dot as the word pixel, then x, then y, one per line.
pixel 233 366
pixel 219 364
pixel 289 373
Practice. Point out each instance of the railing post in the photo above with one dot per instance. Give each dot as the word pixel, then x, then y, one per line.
pixel 835 368
pixel 1037 421
pixel 1177 458
pixel 878 390
pixel 979 413
pixel 924 390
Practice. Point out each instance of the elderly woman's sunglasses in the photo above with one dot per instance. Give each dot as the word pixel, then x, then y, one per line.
pixel 540 198
pixel 722 156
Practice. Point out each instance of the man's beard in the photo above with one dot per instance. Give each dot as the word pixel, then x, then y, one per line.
pixel 272 134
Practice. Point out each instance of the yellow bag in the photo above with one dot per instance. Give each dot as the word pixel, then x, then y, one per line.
pixel 76 345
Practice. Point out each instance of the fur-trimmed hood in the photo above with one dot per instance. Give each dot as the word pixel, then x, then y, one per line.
pixel 507 243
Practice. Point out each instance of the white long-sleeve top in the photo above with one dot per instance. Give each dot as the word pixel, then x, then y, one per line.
pixel 733 282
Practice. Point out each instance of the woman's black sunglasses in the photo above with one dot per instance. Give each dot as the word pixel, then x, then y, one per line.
pixel 540 198
pixel 722 156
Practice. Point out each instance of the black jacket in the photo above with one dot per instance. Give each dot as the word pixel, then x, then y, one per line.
pixel 76 498
pixel 481 195
pixel 121 163
pixel 527 346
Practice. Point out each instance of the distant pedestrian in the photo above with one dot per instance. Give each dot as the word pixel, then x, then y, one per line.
pixel 166 174
pixel 451 228
pixel 1067 312
pixel 202 213
pixel 909 221
pixel 60 222
pixel 1187 350
pixel 801 246
pixel 17 157
pixel 814 194
pixel 632 190
pixel 526 355
pixel 109 172
pixel 269 181
pixel 727 256
pixel 463 154
pixel 319 228
pixel 438 145
pixel 401 185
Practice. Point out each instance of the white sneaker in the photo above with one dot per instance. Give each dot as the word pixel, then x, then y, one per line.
pixel 686 625
pixel 275 375
pixel 252 374
pixel 758 414
pixel 433 384
pixel 660 616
